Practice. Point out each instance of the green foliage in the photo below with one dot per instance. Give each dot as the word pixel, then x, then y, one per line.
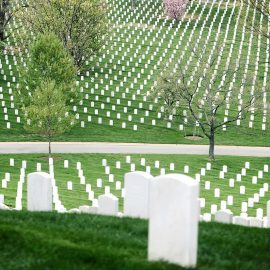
pixel 72 241
pixel 48 61
pixel 79 24
pixel 48 112
pixel 47 88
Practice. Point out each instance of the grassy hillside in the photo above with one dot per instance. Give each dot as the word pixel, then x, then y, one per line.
pixel 141 41
pixel 91 165
pixel 65 242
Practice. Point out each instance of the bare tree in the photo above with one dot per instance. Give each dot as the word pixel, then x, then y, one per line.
pixel 205 93
pixel 6 15
pixel 8 8
pixel 262 7
pixel 133 4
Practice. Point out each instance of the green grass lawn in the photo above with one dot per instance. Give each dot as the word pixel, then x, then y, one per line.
pixel 93 169
pixel 108 70
pixel 67 241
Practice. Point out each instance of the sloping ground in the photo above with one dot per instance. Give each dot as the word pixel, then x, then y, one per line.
pixel 55 241
pixel 115 108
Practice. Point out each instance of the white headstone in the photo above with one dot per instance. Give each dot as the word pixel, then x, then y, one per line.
pixel 268 211
pixel 207 217
pixel 224 216
pixel 38 167
pixel 82 180
pixel 69 185
pixel 11 162
pixel 230 200
pixel 186 169
pixel 39 192
pixel 242 189
pixel 259 213
pixel 99 182
pixel 254 179
pixel 172 166
pixel 50 161
pixel 173 220
pixel 255 222
pixel 128 159
pixel 108 205
pixel 2 198
pixel 137 194
pixel 86 209
pixel 4 207
pixel 244 221
pixel 4 183
pixel 207 185
pixel 217 192
pixel 142 161
pixel 66 164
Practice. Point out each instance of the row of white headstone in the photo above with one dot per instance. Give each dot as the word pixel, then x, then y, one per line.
pixel 250 202
pixel 137 186
pixel 170 202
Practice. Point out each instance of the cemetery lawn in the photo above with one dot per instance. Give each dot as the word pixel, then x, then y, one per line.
pixel 141 42
pixel 146 134
pixel 70 241
pixel 91 165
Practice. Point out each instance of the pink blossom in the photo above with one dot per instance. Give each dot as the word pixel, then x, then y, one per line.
pixel 175 9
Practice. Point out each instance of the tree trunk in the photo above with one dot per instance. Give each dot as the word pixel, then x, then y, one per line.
pixel 50 149
pixel 133 4
pixel 2 34
pixel 212 145
pixel 3 13
pixel 2 27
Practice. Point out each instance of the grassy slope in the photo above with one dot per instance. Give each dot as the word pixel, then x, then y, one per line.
pixel 93 169
pixel 146 133
pixel 62 242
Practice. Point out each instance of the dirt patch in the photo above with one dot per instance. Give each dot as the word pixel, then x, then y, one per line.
pixel 54 158
pixel 193 138
pixel 139 26
pixel 187 17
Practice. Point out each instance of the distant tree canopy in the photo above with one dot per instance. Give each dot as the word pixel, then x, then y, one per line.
pixel 80 24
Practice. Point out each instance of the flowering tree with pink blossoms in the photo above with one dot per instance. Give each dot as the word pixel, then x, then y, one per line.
pixel 175 9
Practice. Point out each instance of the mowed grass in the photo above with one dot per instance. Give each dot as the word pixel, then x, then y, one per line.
pixel 92 169
pixel 236 135
pixel 67 241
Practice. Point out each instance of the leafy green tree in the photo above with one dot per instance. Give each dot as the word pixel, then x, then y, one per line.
pixel 48 61
pixel 79 24
pixel 47 88
pixel 48 113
